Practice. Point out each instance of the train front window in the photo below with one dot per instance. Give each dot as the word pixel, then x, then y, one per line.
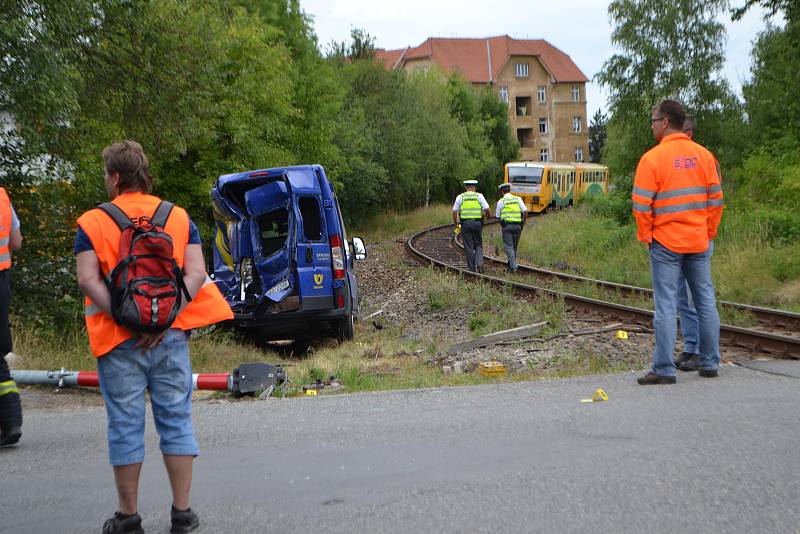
pixel 525 175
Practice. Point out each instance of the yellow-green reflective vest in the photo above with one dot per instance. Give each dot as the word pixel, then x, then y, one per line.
pixel 7 387
pixel 511 213
pixel 470 207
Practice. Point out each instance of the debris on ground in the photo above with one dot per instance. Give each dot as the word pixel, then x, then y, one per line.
pixel 492 369
pixel 583 342
pixel 498 337
pixel 331 385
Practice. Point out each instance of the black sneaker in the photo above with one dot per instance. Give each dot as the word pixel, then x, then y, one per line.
pixel 708 373
pixel 652 379
pixel 120 524
pixel 9 436
pixel 183 521
pixel 692 363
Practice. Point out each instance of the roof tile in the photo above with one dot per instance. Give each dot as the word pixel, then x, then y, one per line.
pixel 473 57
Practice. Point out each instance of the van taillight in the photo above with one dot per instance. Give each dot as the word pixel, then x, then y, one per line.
pixel 337 255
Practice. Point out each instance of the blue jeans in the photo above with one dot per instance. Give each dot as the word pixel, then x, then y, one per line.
pixel 669 269
pixel 688 315
pixel 689 323
pixel 166 371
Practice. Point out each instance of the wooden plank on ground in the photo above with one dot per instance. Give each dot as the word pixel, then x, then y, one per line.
pixel 497 337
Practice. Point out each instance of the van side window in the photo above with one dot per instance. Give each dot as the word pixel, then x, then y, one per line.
pixel 309 212
pixel 274 229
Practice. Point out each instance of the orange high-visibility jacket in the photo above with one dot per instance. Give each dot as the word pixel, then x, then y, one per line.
pixel 5 230
pixel 207 307
pixel 677 195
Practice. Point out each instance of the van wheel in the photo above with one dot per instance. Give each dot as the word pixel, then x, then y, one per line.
pixel 345 328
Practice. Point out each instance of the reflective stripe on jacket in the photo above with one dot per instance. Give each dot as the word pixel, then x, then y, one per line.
pixel 512 213
pixel 470 207
pixel 207 307
pixel 5 230
pixel 677 195
pixel 9 386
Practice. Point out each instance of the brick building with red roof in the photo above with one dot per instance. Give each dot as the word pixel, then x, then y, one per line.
pixel 544 89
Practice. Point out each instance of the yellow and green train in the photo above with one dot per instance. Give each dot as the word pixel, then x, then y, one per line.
pixel 545 185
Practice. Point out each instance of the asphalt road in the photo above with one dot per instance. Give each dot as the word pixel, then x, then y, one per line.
pixel 704 455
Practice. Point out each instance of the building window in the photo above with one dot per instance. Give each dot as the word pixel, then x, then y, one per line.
pixel 576 93
pixel 543 154
pixel 576 124
pixel 578 153
pixel 521 70
pixel 525 137
pixel 504 94
pixel 542 125
pixel 542 94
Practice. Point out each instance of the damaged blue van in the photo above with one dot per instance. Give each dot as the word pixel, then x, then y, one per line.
pixel 281 254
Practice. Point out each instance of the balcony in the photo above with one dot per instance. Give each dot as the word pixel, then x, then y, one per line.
pixel 523 106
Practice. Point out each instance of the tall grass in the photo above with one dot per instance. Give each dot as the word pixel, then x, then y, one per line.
pixel 487 307
pixel 748 266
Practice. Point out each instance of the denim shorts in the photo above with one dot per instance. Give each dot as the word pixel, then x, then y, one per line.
pixel 166 371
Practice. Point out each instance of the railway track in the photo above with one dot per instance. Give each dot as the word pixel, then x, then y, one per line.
pixel 776 334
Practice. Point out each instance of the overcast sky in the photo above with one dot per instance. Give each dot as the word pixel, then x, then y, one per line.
pixel 578 27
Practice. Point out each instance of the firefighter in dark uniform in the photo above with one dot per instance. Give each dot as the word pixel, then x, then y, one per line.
pixel 10 407
pixel 469 210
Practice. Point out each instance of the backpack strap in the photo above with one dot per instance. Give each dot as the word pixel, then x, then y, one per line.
pixel 116 214
pixel 162 213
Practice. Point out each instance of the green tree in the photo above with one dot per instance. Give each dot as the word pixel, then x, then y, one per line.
pixel 360 46
pixel 772 107
pixel 206 87
pixel 790 8
pixel 666 50
pixel 597 136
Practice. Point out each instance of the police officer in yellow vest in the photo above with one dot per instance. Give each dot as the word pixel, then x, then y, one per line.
pixel 10 407
pixel 512 213
pixel 469 210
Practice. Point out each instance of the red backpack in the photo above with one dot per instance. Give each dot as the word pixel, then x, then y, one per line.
pixel 146 285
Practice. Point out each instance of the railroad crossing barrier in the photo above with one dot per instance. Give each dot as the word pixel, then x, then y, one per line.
pixel 245 379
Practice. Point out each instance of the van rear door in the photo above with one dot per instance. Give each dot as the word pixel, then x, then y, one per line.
pixel 313 255
pixel 271 233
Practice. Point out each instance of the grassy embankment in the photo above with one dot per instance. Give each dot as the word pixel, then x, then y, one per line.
pixel 377 359
pixel 747 267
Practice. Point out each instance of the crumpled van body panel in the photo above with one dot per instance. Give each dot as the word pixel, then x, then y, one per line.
pixel 280 252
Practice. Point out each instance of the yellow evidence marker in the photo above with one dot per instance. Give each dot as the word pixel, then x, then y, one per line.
pixel 622 334
pixel 491 368
pixel 599 396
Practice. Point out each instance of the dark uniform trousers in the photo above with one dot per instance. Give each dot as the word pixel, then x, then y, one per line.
pixel 471 233
pixel 511 233
pixel 10 408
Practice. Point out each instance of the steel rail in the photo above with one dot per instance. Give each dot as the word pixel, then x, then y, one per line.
pixel 768 316
pixel 775 344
